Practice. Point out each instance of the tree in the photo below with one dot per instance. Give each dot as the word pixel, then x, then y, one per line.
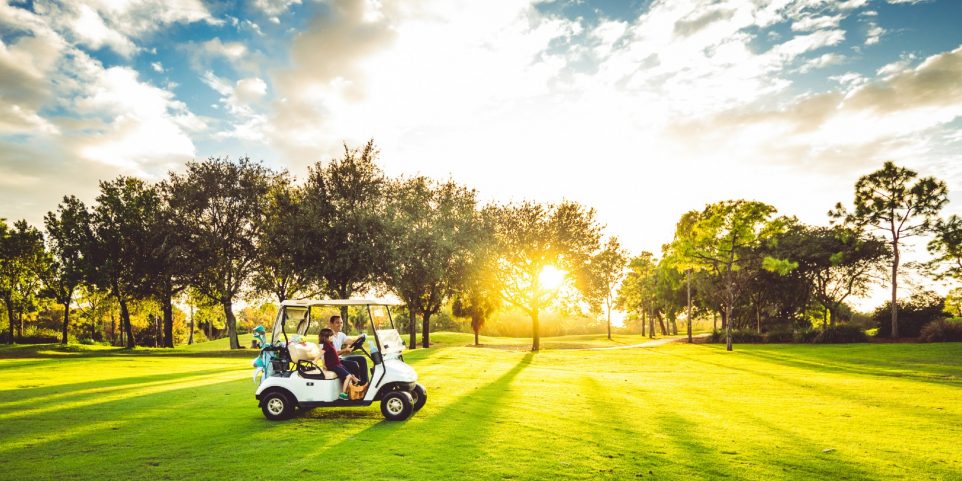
pixel 278 272
pixel 946 246
pixel 536 243
pixel 168 273
pixel 221 206
pixel 637 293
pixel 719 239
pixel 608 266
pixel 21 257
pixel 344 223
pixel 120 252
pixel 68 239
pixel 480 295
pixel 888 200
pixel 433 227
pixel 836 262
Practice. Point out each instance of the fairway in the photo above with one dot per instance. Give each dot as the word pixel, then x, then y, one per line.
pixel 675 411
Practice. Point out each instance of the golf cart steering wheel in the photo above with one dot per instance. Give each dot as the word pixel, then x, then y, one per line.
pixel 358 342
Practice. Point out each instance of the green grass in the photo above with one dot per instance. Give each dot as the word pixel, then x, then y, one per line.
pixel 678 411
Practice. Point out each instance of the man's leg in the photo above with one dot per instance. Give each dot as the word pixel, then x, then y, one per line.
pixel 361 363
pixel 351 366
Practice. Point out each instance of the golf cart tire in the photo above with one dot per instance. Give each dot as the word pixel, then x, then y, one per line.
pixel 277 405
pixel 397 406
pixel 420 396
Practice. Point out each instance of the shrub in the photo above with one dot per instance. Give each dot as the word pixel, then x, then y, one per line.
pixel 805 336
pixel 780 335
pixel 840 335
pixel 942 330
pixel 739 336
pixel 38 339
pixel 921 309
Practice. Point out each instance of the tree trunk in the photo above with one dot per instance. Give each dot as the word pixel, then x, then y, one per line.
pixel 644 322
pixel 651 326
pixel 231 323
pixel 476 326
pixel 344 313
pixel 535 332
pixel 426 329
pixel 661 324
pixel 609 320
pixel 190 336
pixel 9 304
pixel 168 321
pixel 895 309
pixel 125 322
pixel 728 328
pixel 412 330
pixel 66 321
pixel 758 319
pixel 20 324
pixel 689 307
pixel 476 337
pixel 714 321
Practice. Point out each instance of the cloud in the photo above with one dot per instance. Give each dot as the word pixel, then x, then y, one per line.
pixel 242 100
pixel 118 25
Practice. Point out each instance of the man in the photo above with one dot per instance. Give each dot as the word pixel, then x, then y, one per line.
pixel 355 363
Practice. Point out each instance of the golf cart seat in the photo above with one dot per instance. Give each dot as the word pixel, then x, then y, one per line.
pixel 309 370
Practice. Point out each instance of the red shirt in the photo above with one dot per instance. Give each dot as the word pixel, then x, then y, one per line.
pixel 331 359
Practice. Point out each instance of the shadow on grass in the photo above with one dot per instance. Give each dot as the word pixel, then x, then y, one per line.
pixel 931 372
pixel 462 425
pixel 80 392
pixel 863 398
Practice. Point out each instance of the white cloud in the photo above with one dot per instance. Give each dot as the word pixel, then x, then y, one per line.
pixel 273 8
pixel 157 67
pixel 874 33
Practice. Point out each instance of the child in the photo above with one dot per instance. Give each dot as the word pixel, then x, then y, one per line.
pixel 333 362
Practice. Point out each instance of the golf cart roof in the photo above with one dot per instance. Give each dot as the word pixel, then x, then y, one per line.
pixel 339 302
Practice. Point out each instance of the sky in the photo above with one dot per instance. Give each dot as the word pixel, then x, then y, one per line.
pixel 640 109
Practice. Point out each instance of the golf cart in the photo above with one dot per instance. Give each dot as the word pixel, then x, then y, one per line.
pixel 283 385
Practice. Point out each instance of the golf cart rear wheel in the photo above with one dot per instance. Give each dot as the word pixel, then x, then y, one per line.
pixel 420 396
pixel 397 406
pixel 277 406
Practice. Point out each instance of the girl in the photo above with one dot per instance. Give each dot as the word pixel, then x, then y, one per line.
pixel 333 362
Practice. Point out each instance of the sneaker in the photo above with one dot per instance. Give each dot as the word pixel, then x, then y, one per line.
pixel 343 395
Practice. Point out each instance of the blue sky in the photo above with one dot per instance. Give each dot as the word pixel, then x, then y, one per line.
pixel 640 109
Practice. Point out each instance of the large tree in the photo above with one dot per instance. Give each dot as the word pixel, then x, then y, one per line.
pixel 433 228
pixel 221 205
pixel 946 246
pixel 896 201
pixel 168 273
pixel 68 239
pixel 720 239
pixel 21 260
pixel 278 272
pixel 345 246
pixel 608 266
pixel 637 292
pixel 535 240
pixel 479 295
pixel 120 253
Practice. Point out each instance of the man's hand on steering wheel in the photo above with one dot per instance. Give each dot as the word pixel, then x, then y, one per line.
pixel 358 342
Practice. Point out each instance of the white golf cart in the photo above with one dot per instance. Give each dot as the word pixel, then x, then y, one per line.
pixel 283 385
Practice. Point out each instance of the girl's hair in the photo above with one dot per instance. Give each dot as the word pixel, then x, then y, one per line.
pixel 326 332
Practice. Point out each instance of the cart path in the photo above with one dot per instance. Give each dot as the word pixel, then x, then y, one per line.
pixel 655 343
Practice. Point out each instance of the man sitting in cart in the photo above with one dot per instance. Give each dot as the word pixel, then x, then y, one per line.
pixel 354 363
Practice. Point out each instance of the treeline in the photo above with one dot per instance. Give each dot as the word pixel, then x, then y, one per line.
pixel 222 231
pixel 758 272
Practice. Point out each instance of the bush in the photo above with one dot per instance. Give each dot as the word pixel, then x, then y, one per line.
pixel 780 335
pixel 738 336
pixel 841 335
pixel 942 330
pixel 805 336
pixel 921 309
pixel 38 339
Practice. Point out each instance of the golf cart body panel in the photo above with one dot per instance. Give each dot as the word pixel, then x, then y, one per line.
pixel 281 386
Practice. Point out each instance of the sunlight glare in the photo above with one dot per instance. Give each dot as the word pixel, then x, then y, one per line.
pixel 551 277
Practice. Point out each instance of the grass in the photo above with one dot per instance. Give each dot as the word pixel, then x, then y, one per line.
pixel 676 411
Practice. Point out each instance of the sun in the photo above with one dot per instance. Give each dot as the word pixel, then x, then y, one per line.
pixel 551 277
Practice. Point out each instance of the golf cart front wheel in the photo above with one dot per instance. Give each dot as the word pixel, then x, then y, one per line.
pixel 397 406
pixel 277 406
pixel 420 396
